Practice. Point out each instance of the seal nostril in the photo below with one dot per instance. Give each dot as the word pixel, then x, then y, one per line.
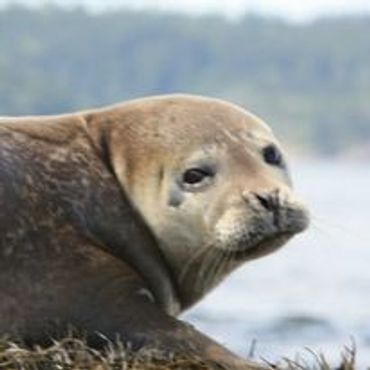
pixel 266 201
pixel 271 203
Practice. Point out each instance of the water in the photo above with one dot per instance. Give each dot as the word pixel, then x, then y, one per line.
pixel 315 292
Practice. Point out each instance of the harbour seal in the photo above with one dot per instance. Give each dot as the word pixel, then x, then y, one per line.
pixel 116 220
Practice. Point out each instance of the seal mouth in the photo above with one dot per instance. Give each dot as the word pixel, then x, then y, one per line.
pixel 260 248
pixel 270 236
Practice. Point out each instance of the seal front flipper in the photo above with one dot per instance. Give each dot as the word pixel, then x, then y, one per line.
pixel 142 324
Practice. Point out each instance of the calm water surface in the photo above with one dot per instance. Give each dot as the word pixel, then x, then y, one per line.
pixel 315 292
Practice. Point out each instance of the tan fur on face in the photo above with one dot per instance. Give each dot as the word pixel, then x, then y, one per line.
pixel 153 141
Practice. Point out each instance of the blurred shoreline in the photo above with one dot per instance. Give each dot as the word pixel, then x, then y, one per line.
pixel 354 154
pixel 310 82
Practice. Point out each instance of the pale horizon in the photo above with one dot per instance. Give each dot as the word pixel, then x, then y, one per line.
pixel 286 9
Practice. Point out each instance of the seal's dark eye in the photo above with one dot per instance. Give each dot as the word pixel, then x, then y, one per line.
pixel 272 156
pixel 195 176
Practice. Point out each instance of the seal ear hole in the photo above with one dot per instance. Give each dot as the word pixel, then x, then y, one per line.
pixel 272 155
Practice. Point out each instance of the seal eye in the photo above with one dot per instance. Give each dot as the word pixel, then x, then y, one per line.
pixel 272 156
pixel 195 176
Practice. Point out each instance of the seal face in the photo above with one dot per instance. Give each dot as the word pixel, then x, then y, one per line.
pixel 115 220
pixel 212 182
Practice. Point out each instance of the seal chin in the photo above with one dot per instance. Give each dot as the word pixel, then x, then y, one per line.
pixel 252 249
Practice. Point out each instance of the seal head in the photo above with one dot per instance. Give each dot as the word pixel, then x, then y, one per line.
pixel 210 180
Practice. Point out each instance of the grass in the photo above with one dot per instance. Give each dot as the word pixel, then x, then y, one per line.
pixel 74 354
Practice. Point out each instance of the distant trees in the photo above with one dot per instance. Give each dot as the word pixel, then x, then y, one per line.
pixel 312 82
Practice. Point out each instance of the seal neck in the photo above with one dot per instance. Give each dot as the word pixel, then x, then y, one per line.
pixel 122 231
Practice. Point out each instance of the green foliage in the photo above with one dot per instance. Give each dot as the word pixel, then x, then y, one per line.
pixel 311 82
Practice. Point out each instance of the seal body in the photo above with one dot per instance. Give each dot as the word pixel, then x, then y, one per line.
pixel 116 220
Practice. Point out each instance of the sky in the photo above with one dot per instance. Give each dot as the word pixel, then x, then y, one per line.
pixel 289 9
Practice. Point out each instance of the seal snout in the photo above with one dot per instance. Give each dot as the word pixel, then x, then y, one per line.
pixel 262 222
pixel 286 213
pixel 270 202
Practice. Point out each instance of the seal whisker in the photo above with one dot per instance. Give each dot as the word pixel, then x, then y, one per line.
pixel 191 262
pixel 204 264
pixel 213 263
pixel 226 259
pixel 216 267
